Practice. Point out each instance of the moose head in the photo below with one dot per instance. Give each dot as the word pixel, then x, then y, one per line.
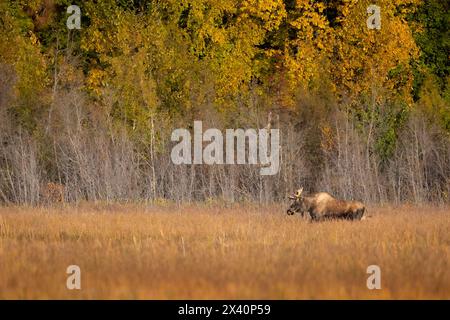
pixel 297 203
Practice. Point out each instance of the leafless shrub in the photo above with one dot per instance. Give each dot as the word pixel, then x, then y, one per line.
pixel 19 171
pixel 97 158
pixel 420 168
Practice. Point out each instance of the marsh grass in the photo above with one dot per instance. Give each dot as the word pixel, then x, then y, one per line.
pixel 241 252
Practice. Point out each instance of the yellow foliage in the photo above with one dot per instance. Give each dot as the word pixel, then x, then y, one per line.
pixel 271 12
pixel 364 58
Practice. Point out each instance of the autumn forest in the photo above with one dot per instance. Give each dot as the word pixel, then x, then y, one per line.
pixel 363 113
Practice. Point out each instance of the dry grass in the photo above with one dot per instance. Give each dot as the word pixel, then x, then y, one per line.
pixel 200 252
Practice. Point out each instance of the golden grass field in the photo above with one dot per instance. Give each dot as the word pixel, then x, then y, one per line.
pixel 207 252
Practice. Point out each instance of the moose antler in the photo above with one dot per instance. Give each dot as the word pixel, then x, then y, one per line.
pixel 299 192
pixel 296 195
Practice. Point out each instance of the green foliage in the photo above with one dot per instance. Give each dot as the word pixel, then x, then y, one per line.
pixel 434 105
pixel 389 124
pixel 430 25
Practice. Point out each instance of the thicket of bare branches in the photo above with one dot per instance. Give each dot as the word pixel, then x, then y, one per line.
pixel 417 171
pixel 97 158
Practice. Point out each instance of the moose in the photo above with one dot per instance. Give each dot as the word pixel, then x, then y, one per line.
pixel 323 206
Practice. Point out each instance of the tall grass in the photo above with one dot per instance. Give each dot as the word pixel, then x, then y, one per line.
pixel 196 252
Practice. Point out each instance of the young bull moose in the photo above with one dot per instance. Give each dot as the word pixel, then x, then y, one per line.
pixel 322 206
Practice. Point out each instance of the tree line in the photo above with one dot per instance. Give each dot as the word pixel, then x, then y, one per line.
pixel 362 113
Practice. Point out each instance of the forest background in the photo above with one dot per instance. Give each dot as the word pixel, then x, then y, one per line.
pixel 363 114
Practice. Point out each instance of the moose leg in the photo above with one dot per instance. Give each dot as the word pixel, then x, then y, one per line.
pixel 360 214
pixel 314 216
pixel 306 214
